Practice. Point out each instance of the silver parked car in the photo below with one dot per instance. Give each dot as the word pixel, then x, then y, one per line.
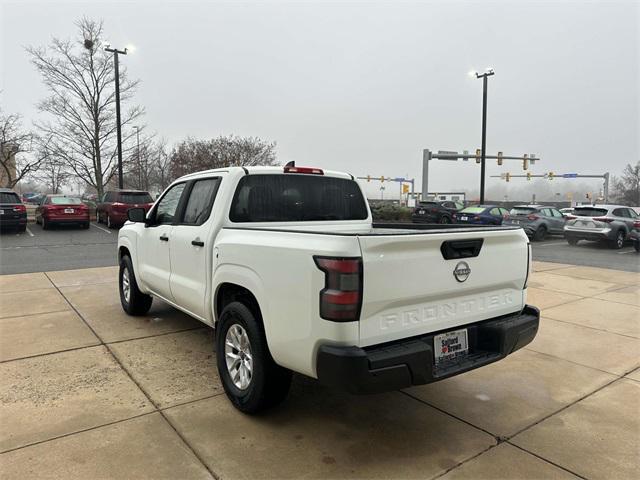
pixel 537 221
pixel 610 223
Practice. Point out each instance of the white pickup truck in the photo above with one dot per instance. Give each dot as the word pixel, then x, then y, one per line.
pixel 287 266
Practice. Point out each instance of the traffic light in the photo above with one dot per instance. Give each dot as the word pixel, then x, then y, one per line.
pixel 525 162
pixel 507 176
pixel 588 195
pixel 550 175
pixel 499 158
pixel 368 178
pixel 478 155
pixel 382 178
pixel 528 176
pixel 405 188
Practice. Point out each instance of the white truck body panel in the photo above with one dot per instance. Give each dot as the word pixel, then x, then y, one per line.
pixel 409 289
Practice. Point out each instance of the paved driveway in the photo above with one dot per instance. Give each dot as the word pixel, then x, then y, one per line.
pixel 88 392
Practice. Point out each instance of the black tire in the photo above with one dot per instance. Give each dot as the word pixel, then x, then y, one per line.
pixel 86 225
pixel 22 229
pixel 636 245
pixel 45 224
pixel 137 302
pixel 618 242
pixel 269 383
pixel 541 233
pixel 572 240
pixel 109 224
pixel 444 220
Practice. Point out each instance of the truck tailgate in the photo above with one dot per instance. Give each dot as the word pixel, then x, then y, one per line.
pixel 410 288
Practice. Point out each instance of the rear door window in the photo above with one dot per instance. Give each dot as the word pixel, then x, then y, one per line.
pixel 473 210
pixel 522 210
pixel 294 198
pixel 200 201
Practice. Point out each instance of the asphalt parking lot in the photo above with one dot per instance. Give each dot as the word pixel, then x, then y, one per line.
pixel 69 247
pixel 89 392
pixel 62 248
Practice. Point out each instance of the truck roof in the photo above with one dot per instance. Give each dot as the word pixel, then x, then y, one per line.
pixel 263 170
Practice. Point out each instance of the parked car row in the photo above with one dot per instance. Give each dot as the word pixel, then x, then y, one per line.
pixel 61 209
pixel 613 224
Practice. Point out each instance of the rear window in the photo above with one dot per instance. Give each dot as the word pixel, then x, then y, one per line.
pixel 522 211
pixel 590 212
pixel 65 201
pixel 134 197
pixel 9 197
pixel 294 197
pixel 473 210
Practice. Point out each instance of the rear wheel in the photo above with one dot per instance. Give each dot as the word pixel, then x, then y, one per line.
pixel 22 228
pixel 250 377
pixel 618 242
pixel 540 234
pixel 133 301
pixel 444 220
pixel 85 225
pixel 45 224
pixel 572 241
pixel 109 224
pixel 636 245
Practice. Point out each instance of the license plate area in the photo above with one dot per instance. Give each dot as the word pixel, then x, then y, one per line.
pixel 450 345
pixel 464 218
pixel 69 210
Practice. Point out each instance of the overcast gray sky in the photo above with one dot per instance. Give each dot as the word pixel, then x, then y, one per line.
pixel 365 86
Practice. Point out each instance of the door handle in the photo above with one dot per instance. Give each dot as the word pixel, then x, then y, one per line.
pixel 197 243
pixel 164 238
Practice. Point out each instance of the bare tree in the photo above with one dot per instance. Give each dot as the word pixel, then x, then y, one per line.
pixel 192 155
pixel 16 157
pixel 81 119
pixel 53 171
pixel 627 186
pixel 161 167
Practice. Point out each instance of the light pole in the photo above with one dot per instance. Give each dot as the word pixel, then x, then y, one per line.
pixel 488 72
pixel 117 52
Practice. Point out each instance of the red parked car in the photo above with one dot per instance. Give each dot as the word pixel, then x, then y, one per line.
pixel 113 207
pixel 62 209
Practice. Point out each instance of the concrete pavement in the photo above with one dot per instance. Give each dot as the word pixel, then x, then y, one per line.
pixel 88 392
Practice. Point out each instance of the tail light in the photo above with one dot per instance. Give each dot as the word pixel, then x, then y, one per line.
pixel 533 217
pixel 20 208
pixel 433 210
pixel 636 224
pixel 307 170
pixel 341 297
pixel 603 219
pixel 570 217
pixel 119 206
pixel 529 265
pixel 476 217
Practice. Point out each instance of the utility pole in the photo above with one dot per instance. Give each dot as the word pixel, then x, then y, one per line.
pixel 488 72
pixel 116 53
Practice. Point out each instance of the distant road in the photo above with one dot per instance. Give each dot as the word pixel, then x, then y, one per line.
pixel 591 254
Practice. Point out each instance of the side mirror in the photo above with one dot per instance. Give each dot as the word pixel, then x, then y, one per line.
pixel 137 215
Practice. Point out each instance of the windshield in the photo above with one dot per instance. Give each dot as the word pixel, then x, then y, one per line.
pixel 293 197
pixel 65 201
pixel 522 211
pixel 590 212
pixel 473 210
pixel 134 197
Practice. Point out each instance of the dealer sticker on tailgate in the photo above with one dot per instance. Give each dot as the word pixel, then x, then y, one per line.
pixel 450 345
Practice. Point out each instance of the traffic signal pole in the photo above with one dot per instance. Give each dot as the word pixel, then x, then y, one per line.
pixel 484 134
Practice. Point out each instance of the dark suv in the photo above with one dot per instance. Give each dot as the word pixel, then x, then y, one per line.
pixel 13 213
pixel 113 207
pixel 436 211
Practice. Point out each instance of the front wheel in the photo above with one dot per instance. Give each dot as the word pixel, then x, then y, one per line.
pixel 133 301
pixel 250 377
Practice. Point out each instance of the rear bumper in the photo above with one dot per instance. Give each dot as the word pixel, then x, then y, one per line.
pixel 590 234
pixel 13 222
pixel 67 218
pixel 411 361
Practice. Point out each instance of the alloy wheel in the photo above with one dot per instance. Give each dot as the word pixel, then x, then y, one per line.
pixel 238 357
pixel 126 284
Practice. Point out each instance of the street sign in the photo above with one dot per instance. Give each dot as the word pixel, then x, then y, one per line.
pixel 569 175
